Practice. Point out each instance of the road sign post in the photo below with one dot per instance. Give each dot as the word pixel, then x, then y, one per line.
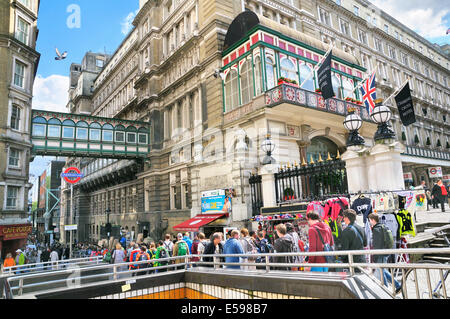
pixel 67 175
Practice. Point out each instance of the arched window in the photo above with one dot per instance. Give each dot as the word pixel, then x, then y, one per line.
pixel 320 145
pixel 246 82
pixel 258 76
pixel 143 136
pixel 348 88
pixel 82 130
pixel 54 128
pixel 39 124
pixel 107 133
pixel 270 73
pixel 305 72
pixel 94 131
pixel 69 129
pixel 336 86
pixel 131 134
pixel 231 90
pixel 288 69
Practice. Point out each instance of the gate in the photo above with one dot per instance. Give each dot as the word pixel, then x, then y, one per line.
pixel 256 194
pixel 309 182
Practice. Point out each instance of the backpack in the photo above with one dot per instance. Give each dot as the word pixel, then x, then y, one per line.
pixel 168 249
pixel 107 258
pixel 326 247
pixel 388 238
pixel 143 257
pixel 163 254
pixel 182 248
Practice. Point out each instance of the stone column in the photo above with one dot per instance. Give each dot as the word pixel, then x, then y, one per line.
pixel 355 164
pixel 386 165
pixel 268 184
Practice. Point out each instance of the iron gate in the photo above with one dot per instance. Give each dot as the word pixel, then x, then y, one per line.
pixel 256 193
pixel 309 182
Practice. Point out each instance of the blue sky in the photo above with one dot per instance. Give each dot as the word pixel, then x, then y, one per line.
pixel 103 26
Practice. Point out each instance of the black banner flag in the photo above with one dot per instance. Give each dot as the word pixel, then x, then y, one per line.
pixel 405 106
pixel 324 78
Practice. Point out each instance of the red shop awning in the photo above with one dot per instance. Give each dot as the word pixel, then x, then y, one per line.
pixel 198 221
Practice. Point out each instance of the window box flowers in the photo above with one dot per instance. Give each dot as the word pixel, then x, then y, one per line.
pixel 283 80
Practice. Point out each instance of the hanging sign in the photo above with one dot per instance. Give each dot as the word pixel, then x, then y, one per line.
pixel 72 172
pixel 435 172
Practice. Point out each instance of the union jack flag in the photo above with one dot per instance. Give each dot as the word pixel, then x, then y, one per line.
pixel 369 93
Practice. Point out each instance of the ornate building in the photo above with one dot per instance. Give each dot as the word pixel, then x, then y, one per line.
pixel 211 94
pixel 19 61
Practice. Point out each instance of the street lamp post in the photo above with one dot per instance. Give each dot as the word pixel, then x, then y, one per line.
pixel 268 147
pixel 353 123
pixel 382 115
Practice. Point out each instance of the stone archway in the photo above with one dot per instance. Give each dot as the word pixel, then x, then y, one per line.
pixel 321 145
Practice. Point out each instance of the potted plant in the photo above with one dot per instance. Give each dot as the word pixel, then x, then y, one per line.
pixel 403 136
pixel 288 193
pixel 416 139
pixel 428 141
pixel 283 80
pixel 438 144
pixel 319 91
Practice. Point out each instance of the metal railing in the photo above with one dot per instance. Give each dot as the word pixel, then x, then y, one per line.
pixel 49 265
pixel 432 275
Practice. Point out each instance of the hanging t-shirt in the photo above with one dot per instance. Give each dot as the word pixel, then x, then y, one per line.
pixel 390 220
pixel 406 223
pixel 362 205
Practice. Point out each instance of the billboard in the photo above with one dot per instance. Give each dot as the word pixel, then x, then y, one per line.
pixel 216 201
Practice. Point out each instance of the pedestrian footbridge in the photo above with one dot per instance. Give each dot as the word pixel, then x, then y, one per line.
pixel 212 280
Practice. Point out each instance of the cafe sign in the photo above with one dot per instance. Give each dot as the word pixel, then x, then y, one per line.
pixel 15 231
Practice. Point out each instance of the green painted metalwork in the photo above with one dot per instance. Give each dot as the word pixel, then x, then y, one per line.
pixel 65 134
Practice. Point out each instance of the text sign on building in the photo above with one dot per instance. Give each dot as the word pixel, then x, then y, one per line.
pixel 215 201
pixel 446 178
pixel 15 231
pixel 70 227
pixel 407 176
pixel 435 172
pixel 72 172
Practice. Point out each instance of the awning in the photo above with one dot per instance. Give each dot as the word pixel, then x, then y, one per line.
pixel 198 221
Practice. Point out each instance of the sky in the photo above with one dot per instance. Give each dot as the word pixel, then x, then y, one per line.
pixel 77 26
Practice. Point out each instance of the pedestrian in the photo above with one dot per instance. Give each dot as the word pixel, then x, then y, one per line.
pixel 353 237
pixel 188 240
pixel 233 246
pixel 194 250
pixel 143 255
pixel 9 262
pixel 20 261
pixel 283 244
pixel 249 247
pixel 119 257
pixel 319 233
pixel 168 244
pixel 439 194
pixel 133 257
pixel 295 240
pixel 378 241
pixel 54 257
pixel 161 253
pixel 181 248
pixel 201 245
pixel 263 248
pixel 212 248
pixel 45 257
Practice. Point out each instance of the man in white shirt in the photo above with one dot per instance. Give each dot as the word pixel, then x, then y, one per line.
pixel 54 258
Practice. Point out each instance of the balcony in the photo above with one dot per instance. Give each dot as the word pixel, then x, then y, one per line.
pixel 286 93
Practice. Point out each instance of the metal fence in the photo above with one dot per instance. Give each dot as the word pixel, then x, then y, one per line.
pixel 311 181
pixel 256 194
pixel 419 280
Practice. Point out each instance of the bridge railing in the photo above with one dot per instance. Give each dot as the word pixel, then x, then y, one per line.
pixel 75 277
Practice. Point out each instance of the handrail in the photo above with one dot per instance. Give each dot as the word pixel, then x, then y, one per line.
pixel 113 270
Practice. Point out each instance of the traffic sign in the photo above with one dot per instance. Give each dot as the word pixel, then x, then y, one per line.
pixel 72 172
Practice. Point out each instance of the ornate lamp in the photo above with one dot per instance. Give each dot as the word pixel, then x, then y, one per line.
pixel 268 146
pixel 382 115
pixel 353 123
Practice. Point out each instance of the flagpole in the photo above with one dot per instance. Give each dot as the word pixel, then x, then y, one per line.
pixel 318 65
pixel 361 83
pixel 396 91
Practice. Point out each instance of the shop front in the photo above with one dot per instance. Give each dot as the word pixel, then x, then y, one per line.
pixel 13 237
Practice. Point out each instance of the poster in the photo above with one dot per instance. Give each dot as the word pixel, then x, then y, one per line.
pixel 217 201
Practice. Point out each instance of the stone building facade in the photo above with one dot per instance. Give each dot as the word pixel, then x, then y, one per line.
pixel 19 61
pixel 171 71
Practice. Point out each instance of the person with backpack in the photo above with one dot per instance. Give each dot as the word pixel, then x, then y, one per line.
pixel 188 240
pixel 382 239
pixel 320 239
pixel 161 253
pixel 143 255
pixel 133 257
pixel 180 248
pixel 194 250
pixel 168 244
pixel 202 244
pixel 283 244
pixel 263 246
pixel 353 237
pixel 249 247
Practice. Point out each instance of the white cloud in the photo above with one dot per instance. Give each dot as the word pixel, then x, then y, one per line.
pixel 127 23
pixel 51 93
pixel 429 18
